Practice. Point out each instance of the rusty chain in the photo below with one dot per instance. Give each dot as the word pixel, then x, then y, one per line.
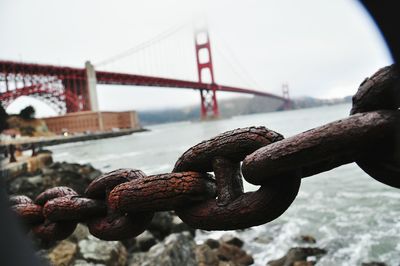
pixel 120 204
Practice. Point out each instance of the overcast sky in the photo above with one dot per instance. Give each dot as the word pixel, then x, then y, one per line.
pixel 321 48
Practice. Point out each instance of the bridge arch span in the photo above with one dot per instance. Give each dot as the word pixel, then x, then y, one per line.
pixel 57 98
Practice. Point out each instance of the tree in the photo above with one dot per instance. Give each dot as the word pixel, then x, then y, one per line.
pixel 3 118
pixel 27 113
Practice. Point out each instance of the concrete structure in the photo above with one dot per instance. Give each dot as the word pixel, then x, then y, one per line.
pixel 89 121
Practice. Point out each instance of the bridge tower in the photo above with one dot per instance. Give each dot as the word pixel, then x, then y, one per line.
pixel 91 82
pixel 285 93
pixel 209 104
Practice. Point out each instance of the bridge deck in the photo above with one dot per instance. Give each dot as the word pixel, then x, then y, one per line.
pixel 103 77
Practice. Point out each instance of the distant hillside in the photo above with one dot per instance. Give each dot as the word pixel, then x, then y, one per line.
pixel 233 107
pixel 307 102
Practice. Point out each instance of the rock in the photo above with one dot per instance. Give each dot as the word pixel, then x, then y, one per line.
pixel 227 263
pixel 373 263
pixel 138 259
pixel 28 186
pixel 42 151
pixel 205 256
pixel 176 249
pixel 63 253
pixel 161 224
pixel 303 263
pixel 110 253
pixel 212 243
pixel 85 263
pixel 145 241
pixel 297 254
pixel 179 226
pixel 232 240
pixel 81 232
pixel 165 223
pixel 306 239
pixel 71 175
pixel 227 252
pixel 89 172
pixel 222 252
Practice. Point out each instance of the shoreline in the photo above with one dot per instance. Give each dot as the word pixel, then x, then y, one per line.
pixel 51 141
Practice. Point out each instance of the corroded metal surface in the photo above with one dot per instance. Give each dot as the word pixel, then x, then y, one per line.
pixel 381 91
pixel 104 183
pixel 234 209
pixel 54 192
pixel 73 208
pixel 161 192
pixel 322 148
pixel 117 227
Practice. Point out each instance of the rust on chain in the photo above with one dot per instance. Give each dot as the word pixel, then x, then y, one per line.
pixel 73 207
pixel 53 231
pixel 19 199
pixel 54 192
pixel 161 192
pixel 322 148
pixel 381 91
pixel 104 183
pixel 229 180
pixel 249 209
pixel 233 209
pixel 233 145
pixel 118 227
pixel 30 213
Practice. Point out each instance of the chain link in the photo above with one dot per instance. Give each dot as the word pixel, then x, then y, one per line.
pixel 120 204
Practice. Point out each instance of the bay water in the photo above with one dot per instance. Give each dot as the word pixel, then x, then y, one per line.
pixel 355 218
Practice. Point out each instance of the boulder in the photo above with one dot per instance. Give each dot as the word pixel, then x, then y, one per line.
pixel 86 263
pixel 176 249
pixel 81 232
pixel 227 252
pixel 205 256
pixel 298 254
pixel 138 259
pixel 71 175
pixel 306 239
pixel 165 223
pixel 63 253
pixel 232 240
pixel 212 243
pixel 304 263
pixel 179 226
pixel 111 253
pixel 161 224
pixel 144 241
pixel 28 186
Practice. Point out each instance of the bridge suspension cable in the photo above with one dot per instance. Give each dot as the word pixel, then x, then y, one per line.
pixel 166 34
pixel 235 65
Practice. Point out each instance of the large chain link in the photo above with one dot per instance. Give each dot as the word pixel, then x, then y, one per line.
pixel 120 204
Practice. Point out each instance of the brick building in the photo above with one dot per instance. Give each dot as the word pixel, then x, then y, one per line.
pixel 88 121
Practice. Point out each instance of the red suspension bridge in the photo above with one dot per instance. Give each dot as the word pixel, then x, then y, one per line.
pixel 68 89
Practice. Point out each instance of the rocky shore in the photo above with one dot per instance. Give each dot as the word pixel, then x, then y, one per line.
pixel 167 241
